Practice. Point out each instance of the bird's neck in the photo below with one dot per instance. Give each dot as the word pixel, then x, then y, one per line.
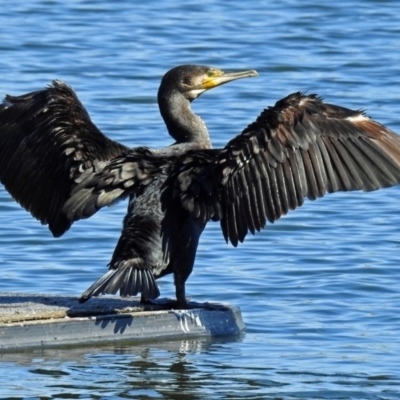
pixel 182 124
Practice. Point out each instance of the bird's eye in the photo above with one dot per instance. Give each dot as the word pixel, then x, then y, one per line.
pixel 210 73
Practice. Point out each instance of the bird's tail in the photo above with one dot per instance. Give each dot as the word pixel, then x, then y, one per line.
pixel 129 280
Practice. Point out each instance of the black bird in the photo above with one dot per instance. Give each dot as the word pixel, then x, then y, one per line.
pixel 57 164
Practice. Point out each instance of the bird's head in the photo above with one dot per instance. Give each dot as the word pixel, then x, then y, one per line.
pixel 193 80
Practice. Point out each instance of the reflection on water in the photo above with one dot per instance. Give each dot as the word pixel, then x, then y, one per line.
pixel 194 369
pixel 159 369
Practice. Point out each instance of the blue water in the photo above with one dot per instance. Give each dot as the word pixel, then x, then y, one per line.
pixel 319 290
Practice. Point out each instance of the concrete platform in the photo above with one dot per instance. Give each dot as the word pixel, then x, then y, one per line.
pixel 29 321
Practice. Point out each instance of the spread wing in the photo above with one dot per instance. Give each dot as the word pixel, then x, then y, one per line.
pixel 301 147
pixel 47 141
pixel 128 173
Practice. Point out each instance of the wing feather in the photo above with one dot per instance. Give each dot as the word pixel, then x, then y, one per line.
pixel 300 148
pixel 128 173
pixel 47 140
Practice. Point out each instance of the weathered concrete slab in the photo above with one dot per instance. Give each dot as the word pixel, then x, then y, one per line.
pixel 28 321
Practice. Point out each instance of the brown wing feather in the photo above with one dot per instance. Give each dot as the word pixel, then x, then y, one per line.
pixel 47 141
pixel 301 147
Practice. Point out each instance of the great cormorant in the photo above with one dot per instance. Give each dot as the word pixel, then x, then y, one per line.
pixel 57 164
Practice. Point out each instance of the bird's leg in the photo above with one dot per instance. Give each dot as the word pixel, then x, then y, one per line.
pixel 157 304
pixel 181 302
pixel 143 300
pixel 168 303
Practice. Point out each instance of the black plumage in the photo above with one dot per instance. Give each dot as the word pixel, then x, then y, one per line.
pixel 61 168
